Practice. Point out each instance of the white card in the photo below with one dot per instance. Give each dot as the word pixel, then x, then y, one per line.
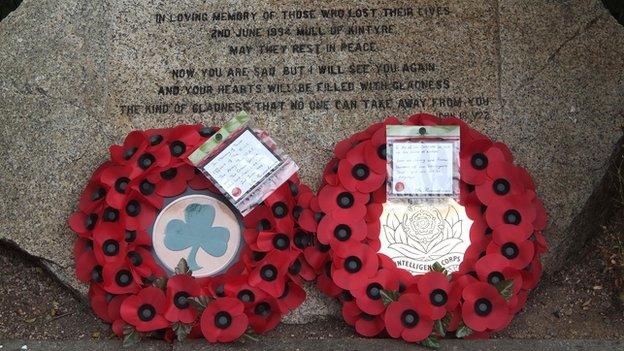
pixel 242 164
pixel 422 168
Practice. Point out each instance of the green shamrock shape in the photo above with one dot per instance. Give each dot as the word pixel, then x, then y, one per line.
pixel 196 231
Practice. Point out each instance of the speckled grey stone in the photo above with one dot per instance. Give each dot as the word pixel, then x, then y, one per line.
pixel 551 72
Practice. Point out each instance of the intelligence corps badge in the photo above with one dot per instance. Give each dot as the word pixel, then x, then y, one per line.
pixel 416 236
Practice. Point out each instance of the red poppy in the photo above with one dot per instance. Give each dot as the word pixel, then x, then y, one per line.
pixel 518 252
pixel 341 204
pixel 325 283
pixel 136 213
pixel 270 274
pixel 541 245
pixel 494 268
pixel 503 179
pixel 484 308
pixel 259 219
pixel 340 235
pixel 375 149
pixel 119 278
pixel 264 314
pixel 409 318
pixel 293 297
pixel 269 240
pixel 541 217
pixel 300 268
pixel 171 181
pixel 88 269
pixel 109 244
pixel 515 210
pixel 137 237
pixel 83 224
pixel 145 310
pixel 281 205
pixel 99 300
pixel 472 205
pixel 365 324
pixel 95 192
pixel 179 288
pixel 508 232
pixel 117 178
pixel 134 144
pixel 480 231
pixel 143 263
pixel 114 313
pixel 435 287
pixel 330 172
pixel 531 274
pixel 360 264
pixel 238 287
pixel 224 320
pixel 477 157
pixel 368 293
pixel 517 301
pixel 182 141
pixel 356 175
pixel 473 253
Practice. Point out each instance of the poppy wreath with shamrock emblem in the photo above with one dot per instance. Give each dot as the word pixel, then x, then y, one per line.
pixel 132 291
pixel 499 268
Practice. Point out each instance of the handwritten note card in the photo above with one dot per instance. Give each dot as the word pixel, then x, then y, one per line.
pixel 422 168
pixel 242 164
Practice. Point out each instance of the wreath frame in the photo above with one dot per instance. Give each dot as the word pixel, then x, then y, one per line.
pixel 128 289
pixel 501 265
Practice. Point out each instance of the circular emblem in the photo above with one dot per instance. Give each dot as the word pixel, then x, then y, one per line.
pixel 199 228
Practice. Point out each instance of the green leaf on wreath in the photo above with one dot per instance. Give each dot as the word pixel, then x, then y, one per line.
pixel 183 268
pixel 389 296
pixel 505 288
pixel 439 327
pixel 463 331
pixel 131 336
pixel 437 267
pixel 161 283
pixel 431 342
pixel 181 330
pixel 199 303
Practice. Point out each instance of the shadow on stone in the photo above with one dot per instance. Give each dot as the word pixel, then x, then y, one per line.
pixel 8 6
pixel 616 7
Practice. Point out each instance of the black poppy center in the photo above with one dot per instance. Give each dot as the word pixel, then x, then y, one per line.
pixel 438 297
pixel 479 161
pixel 135 258
pixel 297 212
pixel 146 312
pixel 353 264
pixel 381 151
pixel 223 320
pixel 96 274
pixel 180 300
pixel 220 290
pixel 360 171
pixel 121 184
pixel 90 221
pixel 294 189
pixel 129 153
pixel 263 224
pixel 133 208
pixel 258 255
pixel 512 217
pixel 373 291
pixel 110 247
pixel 123 278
pixel 279 209
pixel 483 307
pixel 409 318
pixel 510 251
pixel 281 241
pixel 345 200
pixel 111 214
pixel 146 188
pixel 98 194
pixel 177 148
pixel 295 267
pixel 501 186
pixel 495 278
pixel 155 139
pixel 268 273
pixel 169 174
pixel 206 132
pixel 146 160
pixel 130 235
pixel 342 232
pixel 302 240
pixel 246 296
pixel 263 309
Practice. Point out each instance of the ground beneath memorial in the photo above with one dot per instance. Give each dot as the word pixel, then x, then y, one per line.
pixel 583 301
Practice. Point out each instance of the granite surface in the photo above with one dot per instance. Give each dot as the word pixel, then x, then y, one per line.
pixel 546 77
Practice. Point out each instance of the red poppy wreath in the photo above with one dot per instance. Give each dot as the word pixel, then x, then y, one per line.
pixel 481 294
pixel 148 189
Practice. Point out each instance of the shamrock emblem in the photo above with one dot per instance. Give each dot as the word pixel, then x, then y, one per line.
pixel 196 231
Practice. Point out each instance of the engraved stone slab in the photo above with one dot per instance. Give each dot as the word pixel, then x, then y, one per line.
pixel 76 76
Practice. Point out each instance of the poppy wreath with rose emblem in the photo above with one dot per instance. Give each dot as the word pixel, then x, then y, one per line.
pixel 130 290
pixel 500 267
